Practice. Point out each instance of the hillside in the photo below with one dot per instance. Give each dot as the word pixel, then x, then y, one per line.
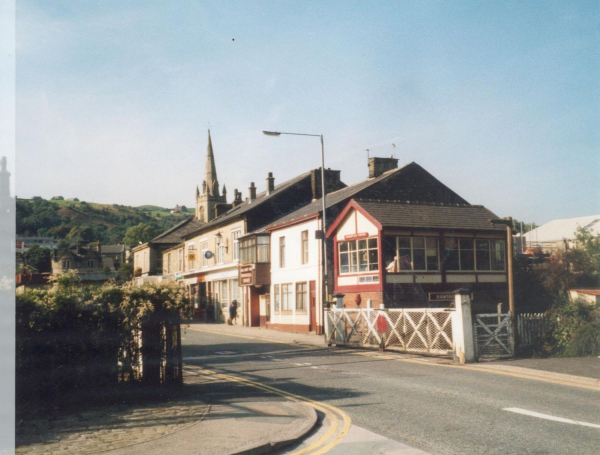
pixel 86 221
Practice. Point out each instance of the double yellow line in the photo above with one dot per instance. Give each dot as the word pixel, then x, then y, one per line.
pixel 335 415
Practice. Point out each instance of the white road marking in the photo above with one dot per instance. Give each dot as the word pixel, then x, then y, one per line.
pixel 549 417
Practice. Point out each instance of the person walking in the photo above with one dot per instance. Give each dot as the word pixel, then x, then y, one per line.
pixel 232 312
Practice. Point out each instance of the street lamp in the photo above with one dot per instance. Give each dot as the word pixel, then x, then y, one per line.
pixel 324 290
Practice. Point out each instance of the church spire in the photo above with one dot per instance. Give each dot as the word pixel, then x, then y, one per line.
pixel 212 184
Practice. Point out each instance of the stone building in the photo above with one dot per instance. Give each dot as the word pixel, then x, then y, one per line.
pixel 86 261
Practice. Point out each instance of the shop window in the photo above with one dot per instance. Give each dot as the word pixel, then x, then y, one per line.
pixel 236 291
pixel 359 256
pixel 224 294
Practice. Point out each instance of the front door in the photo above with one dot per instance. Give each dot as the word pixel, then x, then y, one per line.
pixel 313 305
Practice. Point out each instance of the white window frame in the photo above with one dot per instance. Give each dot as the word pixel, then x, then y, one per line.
pixel 353 256
pixel 304 247
pixel 287 297
pixel 301 293
pixel 235 235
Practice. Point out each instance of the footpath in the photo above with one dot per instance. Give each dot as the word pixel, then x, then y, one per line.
pixel 184 425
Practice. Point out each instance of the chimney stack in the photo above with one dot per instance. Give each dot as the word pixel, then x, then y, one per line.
pixel 332 182
pixel 237 198
pixel 270 183
pixel 251 192
pixel 378 166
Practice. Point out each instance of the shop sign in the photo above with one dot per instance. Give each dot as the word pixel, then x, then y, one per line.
pixel 246 275
pixel 360 235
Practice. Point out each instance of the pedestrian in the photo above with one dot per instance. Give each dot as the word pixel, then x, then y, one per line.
pixel 232 312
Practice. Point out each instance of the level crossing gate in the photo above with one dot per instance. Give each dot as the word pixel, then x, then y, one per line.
pixel 493 335
pixel 418 330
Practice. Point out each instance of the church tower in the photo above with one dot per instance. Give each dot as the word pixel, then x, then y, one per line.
pixel 210 197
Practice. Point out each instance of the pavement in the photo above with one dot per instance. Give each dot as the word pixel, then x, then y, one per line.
pixel 183 425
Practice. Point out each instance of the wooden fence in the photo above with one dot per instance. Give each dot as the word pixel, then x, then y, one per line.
pixel 532 328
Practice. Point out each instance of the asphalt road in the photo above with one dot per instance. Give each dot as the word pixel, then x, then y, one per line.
pixel 433 407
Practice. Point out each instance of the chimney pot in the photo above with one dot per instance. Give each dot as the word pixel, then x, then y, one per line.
pixel 252 191
pixel 270 183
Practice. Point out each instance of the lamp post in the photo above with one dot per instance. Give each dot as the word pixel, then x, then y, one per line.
pixel 324 290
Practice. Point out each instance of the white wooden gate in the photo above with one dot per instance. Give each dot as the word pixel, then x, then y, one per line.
pixel 493 335
pixel 419 330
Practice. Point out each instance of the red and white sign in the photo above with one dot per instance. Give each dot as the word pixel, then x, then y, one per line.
pixel 381 323
pixel 360 235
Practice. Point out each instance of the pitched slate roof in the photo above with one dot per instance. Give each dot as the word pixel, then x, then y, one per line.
pixel 331 199
pixel 345 194
pixel 557 230
pixel 398 214
pixel 112 249
pixel 177 232
pixel 247 205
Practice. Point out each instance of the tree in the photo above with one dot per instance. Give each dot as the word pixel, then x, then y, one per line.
pixel 141 233
pixel 125 272
pixel 38 258
pixel 585 257
pixel 80 234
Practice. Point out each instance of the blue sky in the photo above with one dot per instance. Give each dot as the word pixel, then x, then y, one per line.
pixel 498 100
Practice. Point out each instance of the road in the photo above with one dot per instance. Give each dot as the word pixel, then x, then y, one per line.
pixel 419 403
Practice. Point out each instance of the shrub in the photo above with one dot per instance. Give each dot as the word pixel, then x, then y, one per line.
pixel 575 329
pixel 70 336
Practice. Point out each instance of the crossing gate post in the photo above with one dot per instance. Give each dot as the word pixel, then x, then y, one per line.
pixel 462 327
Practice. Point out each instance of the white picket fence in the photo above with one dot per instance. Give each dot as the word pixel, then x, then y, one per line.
pixel 418 330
